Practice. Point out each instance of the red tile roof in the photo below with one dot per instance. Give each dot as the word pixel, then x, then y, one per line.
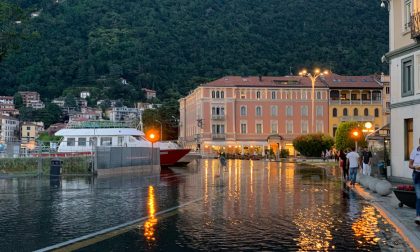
pixel 264 81
pixel 352 82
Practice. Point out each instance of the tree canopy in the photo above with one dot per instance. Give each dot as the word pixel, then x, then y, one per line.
pixel 344 138
pixel 312 145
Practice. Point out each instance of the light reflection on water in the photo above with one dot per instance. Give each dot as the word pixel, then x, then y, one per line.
pixel 254 205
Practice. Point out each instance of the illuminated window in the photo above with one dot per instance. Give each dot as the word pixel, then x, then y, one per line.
pixel 408 143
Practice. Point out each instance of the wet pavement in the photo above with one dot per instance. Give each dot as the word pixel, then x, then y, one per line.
pixel 254 205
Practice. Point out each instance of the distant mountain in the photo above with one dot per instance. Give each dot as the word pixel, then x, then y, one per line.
pixel 178 44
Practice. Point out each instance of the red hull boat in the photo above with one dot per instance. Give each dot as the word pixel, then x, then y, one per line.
pixel 171 156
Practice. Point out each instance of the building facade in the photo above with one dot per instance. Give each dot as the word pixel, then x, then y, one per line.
pixel 30 131
pixel 9 128
pixel 32 99
pixel 242 115
pixel 404 60
pixel 355 98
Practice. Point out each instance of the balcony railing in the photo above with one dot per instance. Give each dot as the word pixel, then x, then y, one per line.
pixel 218 117
pixel 357 118
pixel 355 102
pixel 218 136
pixel 415 25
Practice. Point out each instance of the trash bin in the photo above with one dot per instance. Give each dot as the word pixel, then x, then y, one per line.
pixel 382 169
pixel 55 168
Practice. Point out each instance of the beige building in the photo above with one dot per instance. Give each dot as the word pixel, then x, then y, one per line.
pixel 9 127
pixel 30 131
pixel 404 61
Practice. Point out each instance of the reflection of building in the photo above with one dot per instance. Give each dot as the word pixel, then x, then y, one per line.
pixel 9 127
pixel 354 98
pixel 404 62
pixel 237 114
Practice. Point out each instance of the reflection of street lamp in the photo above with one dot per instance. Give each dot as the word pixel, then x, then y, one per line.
pixel 313 76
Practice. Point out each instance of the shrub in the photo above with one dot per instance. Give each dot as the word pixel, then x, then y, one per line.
pixel 312 145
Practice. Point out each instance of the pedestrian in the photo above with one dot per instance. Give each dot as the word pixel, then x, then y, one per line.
pixel 222 159
pixel 414 164
pixel 327 155
pixel 366 161
pixel 343 164
pixel 353 161
pixel 323 156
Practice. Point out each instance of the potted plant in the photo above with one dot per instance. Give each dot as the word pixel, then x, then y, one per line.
pixel 406 195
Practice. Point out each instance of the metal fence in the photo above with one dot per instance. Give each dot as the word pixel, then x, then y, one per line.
pixel 116 157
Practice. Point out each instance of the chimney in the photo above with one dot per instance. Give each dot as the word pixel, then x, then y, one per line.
pixel 260 78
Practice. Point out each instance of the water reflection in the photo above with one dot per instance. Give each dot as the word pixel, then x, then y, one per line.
pixel 366 226
pixel 150 224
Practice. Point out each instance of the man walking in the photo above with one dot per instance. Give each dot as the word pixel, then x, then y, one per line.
pixel 353 160
pixel 414 164
pixel 367 160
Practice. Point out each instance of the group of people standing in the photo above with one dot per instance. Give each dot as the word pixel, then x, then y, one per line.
pixel 351 161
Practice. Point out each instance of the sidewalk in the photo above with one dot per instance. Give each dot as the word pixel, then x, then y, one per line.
pixel 401 218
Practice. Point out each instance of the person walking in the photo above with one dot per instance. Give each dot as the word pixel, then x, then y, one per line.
pixel 343 165
pixel 414 164
pixel 353 161
pixel 367 160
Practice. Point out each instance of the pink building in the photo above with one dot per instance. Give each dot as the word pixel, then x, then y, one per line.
pixel 250 115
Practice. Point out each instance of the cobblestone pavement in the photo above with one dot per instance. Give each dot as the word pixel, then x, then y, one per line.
pixel 401 217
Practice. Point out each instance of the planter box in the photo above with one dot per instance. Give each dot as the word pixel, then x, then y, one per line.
pixel 407 198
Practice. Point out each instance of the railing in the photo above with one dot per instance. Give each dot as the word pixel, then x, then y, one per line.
pixel 218 136
pixel 357 118
pixel 218 117
pixel 345 102
pixel 415 25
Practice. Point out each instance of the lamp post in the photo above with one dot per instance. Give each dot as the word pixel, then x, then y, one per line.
pixel 313 76
pixel 161 131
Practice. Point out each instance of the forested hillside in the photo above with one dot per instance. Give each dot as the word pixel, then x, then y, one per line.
pixel 177 44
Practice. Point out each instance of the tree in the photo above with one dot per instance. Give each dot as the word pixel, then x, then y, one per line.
pixel 344 138
pixel 18 100
pixel 70 102
pixel 312 145
pixel 11 17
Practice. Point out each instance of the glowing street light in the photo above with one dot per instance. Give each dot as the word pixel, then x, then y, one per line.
pixel 153 136
pixel 313 76
pixel 355 135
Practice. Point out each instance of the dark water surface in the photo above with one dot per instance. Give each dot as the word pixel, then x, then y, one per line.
pixel 254 205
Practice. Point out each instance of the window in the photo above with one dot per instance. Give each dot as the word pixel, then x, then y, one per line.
pixel 274 111
pixel 345 112
pixel 320 126
pixel 376 95
pixel 243 111
pixel 258 128
pixel 408 145
pixel 71 141
pixel 120 141
pixel 334 112
pixel 274 127
pixel 82 141
pixel 376 112
pixel 355 112
pixel 387 90
pixel 217 94
pixel 304 95
pixel 318 95
pixel 289 127
pixel 407 77
pixel 304 110
pixel 243 128
pixel 304 127
pixel 354 97
pixel 28 134
pixel 218 129
pixel 364 97
pixel 334 130
pixel 28 128
pixel 243 95
pixel 258 111
pixel 222 94
pixel 213 94
pixel 319 111
pixel 106 141
pixel 273 95
pixel 258 95
pixel 388 106
pixel 335 95
pixel 407 14
pixel 289 111
pixel 366 112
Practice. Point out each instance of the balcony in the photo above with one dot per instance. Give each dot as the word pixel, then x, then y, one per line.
pixel 354 102
pixel 218 136
pixel 218 117
pixel 357 118
pixel 415 26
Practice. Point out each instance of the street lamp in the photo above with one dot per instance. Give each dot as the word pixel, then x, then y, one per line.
pixel 355 135
pixel 161 132
pixel 153 137
pixel 313 76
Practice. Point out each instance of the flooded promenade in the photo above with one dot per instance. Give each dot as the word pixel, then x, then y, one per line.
pixel 253 205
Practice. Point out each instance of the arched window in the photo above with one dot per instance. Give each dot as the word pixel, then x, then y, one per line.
pixel 243 111
pixel 213 94
pixel 345 112
pixel 258 111
pixel 273 95
pixel 258 95
pixel 222 94
pixel 376 112
pixel 366 112
pixel 355 112
pixel 334 112
pixel 217 94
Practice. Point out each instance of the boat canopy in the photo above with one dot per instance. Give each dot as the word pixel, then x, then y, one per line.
pixel 100 132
